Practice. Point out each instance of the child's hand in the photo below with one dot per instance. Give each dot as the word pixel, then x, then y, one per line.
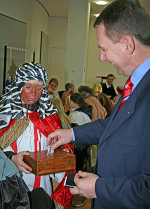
pixel 21 165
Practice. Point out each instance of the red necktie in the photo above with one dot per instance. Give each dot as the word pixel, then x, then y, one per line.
pixel 126 92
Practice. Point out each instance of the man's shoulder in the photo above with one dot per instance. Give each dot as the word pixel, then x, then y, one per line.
pixel 104 85
pixel 112 86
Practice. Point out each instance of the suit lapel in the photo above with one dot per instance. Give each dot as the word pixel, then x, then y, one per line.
pixel 125 112
pixel 116 120
pixel 127 109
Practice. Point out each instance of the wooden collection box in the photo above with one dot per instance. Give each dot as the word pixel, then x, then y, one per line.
pixel 43 164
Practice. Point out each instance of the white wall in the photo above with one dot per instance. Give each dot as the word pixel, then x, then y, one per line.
pixel 57 49
pixel 77 37
pixel 35 17
pixel 12 31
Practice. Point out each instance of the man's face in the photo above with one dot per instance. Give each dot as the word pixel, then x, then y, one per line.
pixel 110 80
pixel 113 53
pixel 31 92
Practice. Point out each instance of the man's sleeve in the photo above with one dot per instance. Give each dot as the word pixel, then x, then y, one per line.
pixel 73 134
pixel 89 133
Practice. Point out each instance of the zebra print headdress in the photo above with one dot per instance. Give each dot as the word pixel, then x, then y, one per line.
pixel 11 106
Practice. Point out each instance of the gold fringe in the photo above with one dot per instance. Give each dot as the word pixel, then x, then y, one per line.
pixel 55 184
pixel 13 133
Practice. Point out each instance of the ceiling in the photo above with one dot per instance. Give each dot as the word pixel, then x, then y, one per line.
pixel 59 8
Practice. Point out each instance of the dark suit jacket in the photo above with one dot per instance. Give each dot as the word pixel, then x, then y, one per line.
pixel 109 91
pixel 123 160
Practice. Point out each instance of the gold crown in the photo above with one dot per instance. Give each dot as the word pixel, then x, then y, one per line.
pixel 97 87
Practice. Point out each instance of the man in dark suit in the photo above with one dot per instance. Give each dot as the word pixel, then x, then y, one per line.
pixel 108 87
pixel 122 170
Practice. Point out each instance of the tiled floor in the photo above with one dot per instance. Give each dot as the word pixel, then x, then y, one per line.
pixel 77 199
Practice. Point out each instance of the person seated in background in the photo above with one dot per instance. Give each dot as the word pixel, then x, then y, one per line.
pixel 98 111
pixel 61 113
pixel 69 89
pixel 97 89
pixel 106 103
pixel 52 87
pixel 108 88
pixel 80 111
pixel 66 96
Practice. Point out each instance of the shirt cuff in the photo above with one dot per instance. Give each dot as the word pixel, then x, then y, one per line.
pixel 73 134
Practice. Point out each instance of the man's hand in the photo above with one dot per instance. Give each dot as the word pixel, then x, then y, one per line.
pixel 85 184
pixel 59 137
pixel 21 165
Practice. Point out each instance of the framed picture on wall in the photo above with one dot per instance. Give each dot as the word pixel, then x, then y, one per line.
pixel 44 44
pixel 13 59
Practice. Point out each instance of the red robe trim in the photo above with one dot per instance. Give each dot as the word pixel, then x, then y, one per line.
pixel 37 178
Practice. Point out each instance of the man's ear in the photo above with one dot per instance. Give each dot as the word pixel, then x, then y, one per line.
pixel 129 44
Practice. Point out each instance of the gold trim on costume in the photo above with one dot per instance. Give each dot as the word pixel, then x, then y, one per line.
pixel 13 133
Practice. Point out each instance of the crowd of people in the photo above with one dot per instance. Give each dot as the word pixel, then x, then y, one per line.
pixel 99 101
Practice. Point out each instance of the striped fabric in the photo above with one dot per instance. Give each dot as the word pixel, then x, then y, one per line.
pixel 11 106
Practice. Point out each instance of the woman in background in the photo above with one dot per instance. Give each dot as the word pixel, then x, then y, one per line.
pixel 61 113
pixel 52 87
pixel 98 111
pixel 80 111
pixel 106 103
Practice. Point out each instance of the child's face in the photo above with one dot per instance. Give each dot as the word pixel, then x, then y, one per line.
pixel 72 90
pixel 73 104
pixel 31 91
pixel 96 93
